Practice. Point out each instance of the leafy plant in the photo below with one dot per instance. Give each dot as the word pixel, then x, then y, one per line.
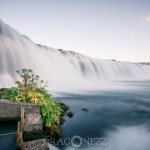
pixel 10 93
pixel 28 87
pixel 32 90
pixel 50 111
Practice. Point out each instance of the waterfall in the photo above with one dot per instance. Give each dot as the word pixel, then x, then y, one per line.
pixel 59 67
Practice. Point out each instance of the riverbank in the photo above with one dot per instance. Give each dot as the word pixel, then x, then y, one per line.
pixel 33 127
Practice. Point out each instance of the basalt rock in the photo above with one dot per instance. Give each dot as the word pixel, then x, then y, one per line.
pixel 70 114
pixel 84 109
pixel 53 131
pixel 64 107
pixel 40 144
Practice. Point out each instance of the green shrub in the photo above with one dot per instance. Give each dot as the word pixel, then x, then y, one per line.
pixel 50 111
pixel 32 90
pixel 10 93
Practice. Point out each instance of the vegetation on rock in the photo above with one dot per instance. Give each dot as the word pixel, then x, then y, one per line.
pixel 32 90
pixel 9 93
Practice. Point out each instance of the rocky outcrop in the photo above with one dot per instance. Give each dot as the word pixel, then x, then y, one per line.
pixel 31 123
pixel 10 110
pixel 40 144
pixel 70 114
pixel 84 109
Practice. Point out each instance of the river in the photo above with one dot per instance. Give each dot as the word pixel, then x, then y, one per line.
pixel 117 119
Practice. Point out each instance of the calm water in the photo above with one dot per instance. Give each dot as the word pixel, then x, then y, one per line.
pixel 121 116
pixel 8 142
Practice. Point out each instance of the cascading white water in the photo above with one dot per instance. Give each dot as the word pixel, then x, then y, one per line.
pixel 62 69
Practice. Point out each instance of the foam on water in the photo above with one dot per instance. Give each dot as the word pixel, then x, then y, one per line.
pixel 123 138
pixel 52 147
pixel 130 138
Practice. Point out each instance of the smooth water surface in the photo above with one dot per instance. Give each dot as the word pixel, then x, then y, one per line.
pixel 8 142
pixel 121 116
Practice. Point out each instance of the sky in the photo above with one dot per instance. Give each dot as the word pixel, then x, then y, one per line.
pixel 106 29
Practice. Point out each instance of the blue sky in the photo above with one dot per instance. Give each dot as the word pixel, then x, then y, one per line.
pixel 107 29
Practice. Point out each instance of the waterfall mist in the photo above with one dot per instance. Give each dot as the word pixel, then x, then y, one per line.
pixel 62 69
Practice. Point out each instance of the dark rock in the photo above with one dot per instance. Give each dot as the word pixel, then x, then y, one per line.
pixel 64 107
pixel 84 109
pixel 62 120
pixel 2 92
pixel 29 136
pixel 113 60
pixel 53 131
pixel 3 89
pixel 70 114
pixel 62 113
